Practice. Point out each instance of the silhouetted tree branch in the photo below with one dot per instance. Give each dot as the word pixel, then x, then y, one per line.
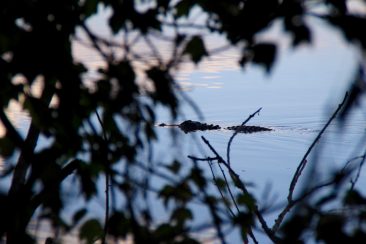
pixel 304 161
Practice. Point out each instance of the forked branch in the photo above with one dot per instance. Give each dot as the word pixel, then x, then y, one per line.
pixel 236 132
pixel 290 201
pixel 304 161
pixel 241 186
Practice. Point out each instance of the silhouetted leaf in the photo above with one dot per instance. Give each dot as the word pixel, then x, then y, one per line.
pixel 39 111
pixel 119 225
pixel 90 7
pixel 163 83
pixel 174 167
pixel 183 7
pixel 181 215
pixel 87 182
pixel 264 54
pixel 79 215
pixel 91 231
pixel 150 132
pixel 148 20
pixel 198 178
pixel 244 221
pixel 221 183
pixel 299 30
pixel 350 25
pixel 330 229
pixel 123 11
pixel 339 6
pixel 165 232
pixel 246 200
pixel 196 49
pixel 180 193
pixel 354 198
pixel 7 146
pixel 166 193
pixel 294 228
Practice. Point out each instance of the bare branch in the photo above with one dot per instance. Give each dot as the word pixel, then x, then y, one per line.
pixel 239 184
pixel 293 202
pixel 303 161
pixel 221 193
pixel 154 50
pixel 290 201
pixel 107 183
pixel 95 41
pixel 363 159
pixel 30 143
pixel 236 132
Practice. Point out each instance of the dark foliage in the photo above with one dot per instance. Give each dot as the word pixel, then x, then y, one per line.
pixel 98 123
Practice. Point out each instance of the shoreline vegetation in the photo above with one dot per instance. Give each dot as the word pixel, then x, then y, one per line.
pixel 101 137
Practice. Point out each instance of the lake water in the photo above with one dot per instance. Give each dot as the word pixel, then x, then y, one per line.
pixel 303 89
pixel 297 99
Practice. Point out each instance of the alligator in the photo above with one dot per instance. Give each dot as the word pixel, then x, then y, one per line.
pixel 191 126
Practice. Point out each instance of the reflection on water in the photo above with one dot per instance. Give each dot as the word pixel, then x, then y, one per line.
pixel 297 98
pixel 305 87
pixel 16 115
pixel 19 119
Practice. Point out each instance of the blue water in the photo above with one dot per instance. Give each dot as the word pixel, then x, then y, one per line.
pixel 297 97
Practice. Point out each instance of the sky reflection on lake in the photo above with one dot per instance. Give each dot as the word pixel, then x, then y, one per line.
pixel 304 87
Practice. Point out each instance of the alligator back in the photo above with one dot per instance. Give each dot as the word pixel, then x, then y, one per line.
pixel 248 128
pixel 191 126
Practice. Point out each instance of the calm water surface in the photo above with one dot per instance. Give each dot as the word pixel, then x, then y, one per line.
pixel 297 98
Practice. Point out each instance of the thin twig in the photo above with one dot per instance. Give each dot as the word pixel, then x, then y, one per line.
pixel 219 158
pixel 293 202
pixel 229 189
pixel 107 183
pixel 310 192
pixel 250 232
pixel 363 159
pixel 242 187
pixel 212 206
pixel 154 50
pixel 346 165
pixel 94 39
pixel 236 132
pixel 209 160
pixel 220 191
